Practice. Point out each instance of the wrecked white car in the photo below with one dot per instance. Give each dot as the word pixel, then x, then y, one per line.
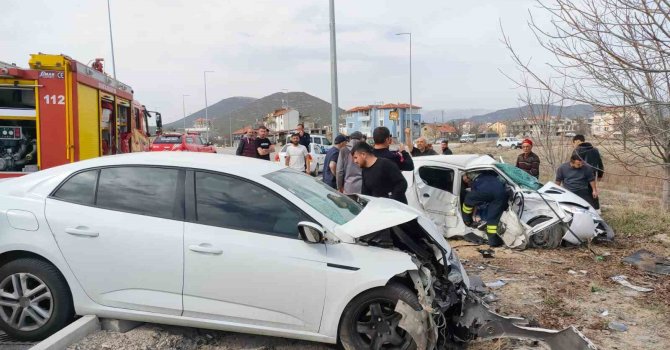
pixel 235 244
pixel 538 216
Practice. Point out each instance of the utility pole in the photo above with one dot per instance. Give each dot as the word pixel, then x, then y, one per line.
pixel 111 39
pixel 204 74
pixel 333 72
pixel 443 116
pixel 411 122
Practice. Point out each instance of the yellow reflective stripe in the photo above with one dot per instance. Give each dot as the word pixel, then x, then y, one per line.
pixel 491 229
pixel 466 209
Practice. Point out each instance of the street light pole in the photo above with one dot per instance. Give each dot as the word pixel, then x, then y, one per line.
pixel 183 106
pixel 204 74
pixel 111 39
pixel 411 122
pixel 333 72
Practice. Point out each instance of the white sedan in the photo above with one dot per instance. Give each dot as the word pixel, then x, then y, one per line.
pixel 317 156
pixel 236 244
pixel 538 216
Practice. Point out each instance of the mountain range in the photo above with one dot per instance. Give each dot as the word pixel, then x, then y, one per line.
pixel 526 111
pixel 245 111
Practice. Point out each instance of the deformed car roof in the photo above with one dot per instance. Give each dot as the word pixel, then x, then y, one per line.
pixel 462 161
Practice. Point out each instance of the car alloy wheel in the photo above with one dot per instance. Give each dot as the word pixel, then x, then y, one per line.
pixel 26 302
pixel 377 325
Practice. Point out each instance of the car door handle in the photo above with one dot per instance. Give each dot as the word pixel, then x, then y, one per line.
pixel 205 248
pixel 426 195
pixel 81 231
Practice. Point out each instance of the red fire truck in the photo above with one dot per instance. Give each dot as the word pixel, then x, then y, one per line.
pixel 60 111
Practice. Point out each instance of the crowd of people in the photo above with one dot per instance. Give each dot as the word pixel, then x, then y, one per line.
pixel 353 166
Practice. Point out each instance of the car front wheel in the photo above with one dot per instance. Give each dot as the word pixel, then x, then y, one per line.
pixel 370 320
pixel 35 301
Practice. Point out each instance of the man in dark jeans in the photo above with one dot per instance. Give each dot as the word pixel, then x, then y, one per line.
pixel 382 138
pixel 591 156
pixel 331 160
pixel 305 138
pixel 381 178
pixel 578 179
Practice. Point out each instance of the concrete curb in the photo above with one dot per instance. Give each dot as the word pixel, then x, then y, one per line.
pixel 71 334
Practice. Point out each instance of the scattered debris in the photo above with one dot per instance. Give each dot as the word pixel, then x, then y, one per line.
pixel 572 272
pixel 496 284
pixel 648 261
pixel 621 279
pixel 487 253
pixel 583 272
pixel 473 238
pixel 617 326
pixel 481 267
pixel 490 298
pixel 604 313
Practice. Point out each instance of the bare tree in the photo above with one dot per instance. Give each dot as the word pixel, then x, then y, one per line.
pixel 545 127
pixel 612 54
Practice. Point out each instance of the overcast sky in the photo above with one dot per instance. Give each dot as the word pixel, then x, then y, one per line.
pixel 258 47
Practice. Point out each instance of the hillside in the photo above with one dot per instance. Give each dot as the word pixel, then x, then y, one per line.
pixel 436 115
pixel 519 112
pixel 315 108
pixel 214 111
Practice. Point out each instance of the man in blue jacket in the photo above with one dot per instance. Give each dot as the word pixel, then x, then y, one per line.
pixel 486 189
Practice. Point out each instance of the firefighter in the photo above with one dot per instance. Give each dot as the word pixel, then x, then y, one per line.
pixel 486 189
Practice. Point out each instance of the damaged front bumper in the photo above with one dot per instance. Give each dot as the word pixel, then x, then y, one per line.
pixel 468 318
pixel 481 323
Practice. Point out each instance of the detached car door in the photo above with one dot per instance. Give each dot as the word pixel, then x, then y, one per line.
pixel 244 262
pixel 435 186
pixel 121 231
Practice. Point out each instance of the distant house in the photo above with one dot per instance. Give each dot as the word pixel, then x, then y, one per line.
pixel 611 122
pixel 366 118
pixel 547 125
pixel 434 132
pixel 499 128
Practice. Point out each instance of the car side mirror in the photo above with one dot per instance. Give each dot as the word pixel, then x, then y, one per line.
pixel 310 232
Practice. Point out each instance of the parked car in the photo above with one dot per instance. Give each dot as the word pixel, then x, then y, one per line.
pixel 317 157
pixel 538 216
pixel 570 134
pixel 468 138
pixel 182 143
pixel 235 244
pixel 508 142
pixel 322 141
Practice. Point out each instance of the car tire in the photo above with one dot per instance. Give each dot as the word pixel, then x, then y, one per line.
pixel 47 310
pixel 359 329
pixel 499 146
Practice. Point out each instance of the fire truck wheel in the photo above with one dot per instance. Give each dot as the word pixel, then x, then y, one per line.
pixel 35 300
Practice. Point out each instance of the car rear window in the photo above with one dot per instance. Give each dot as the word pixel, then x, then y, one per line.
pixel 168 139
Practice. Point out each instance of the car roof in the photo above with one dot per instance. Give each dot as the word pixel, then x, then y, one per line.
pixel 462 161
pixel 249 168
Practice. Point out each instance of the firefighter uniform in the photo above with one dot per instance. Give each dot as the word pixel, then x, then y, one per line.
pixel 486 189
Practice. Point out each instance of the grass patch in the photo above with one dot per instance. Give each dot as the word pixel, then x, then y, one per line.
pixel 636 221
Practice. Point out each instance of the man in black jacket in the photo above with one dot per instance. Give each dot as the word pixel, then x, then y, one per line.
pixel 591 156
pixel 381 178
pixel 382 137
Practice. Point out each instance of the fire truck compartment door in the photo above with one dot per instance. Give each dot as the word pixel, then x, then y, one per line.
pixel 89 122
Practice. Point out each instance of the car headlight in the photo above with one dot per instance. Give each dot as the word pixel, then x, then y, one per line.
pixel 574 209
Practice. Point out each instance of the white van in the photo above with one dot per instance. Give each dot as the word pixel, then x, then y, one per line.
pixel 468 138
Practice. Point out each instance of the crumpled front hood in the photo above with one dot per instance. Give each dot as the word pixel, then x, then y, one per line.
pixel 382 213
pixel 378 214
pixel 562 195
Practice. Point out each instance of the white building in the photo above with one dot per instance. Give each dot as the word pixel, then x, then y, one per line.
pixel 610 122
pixel 284 119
